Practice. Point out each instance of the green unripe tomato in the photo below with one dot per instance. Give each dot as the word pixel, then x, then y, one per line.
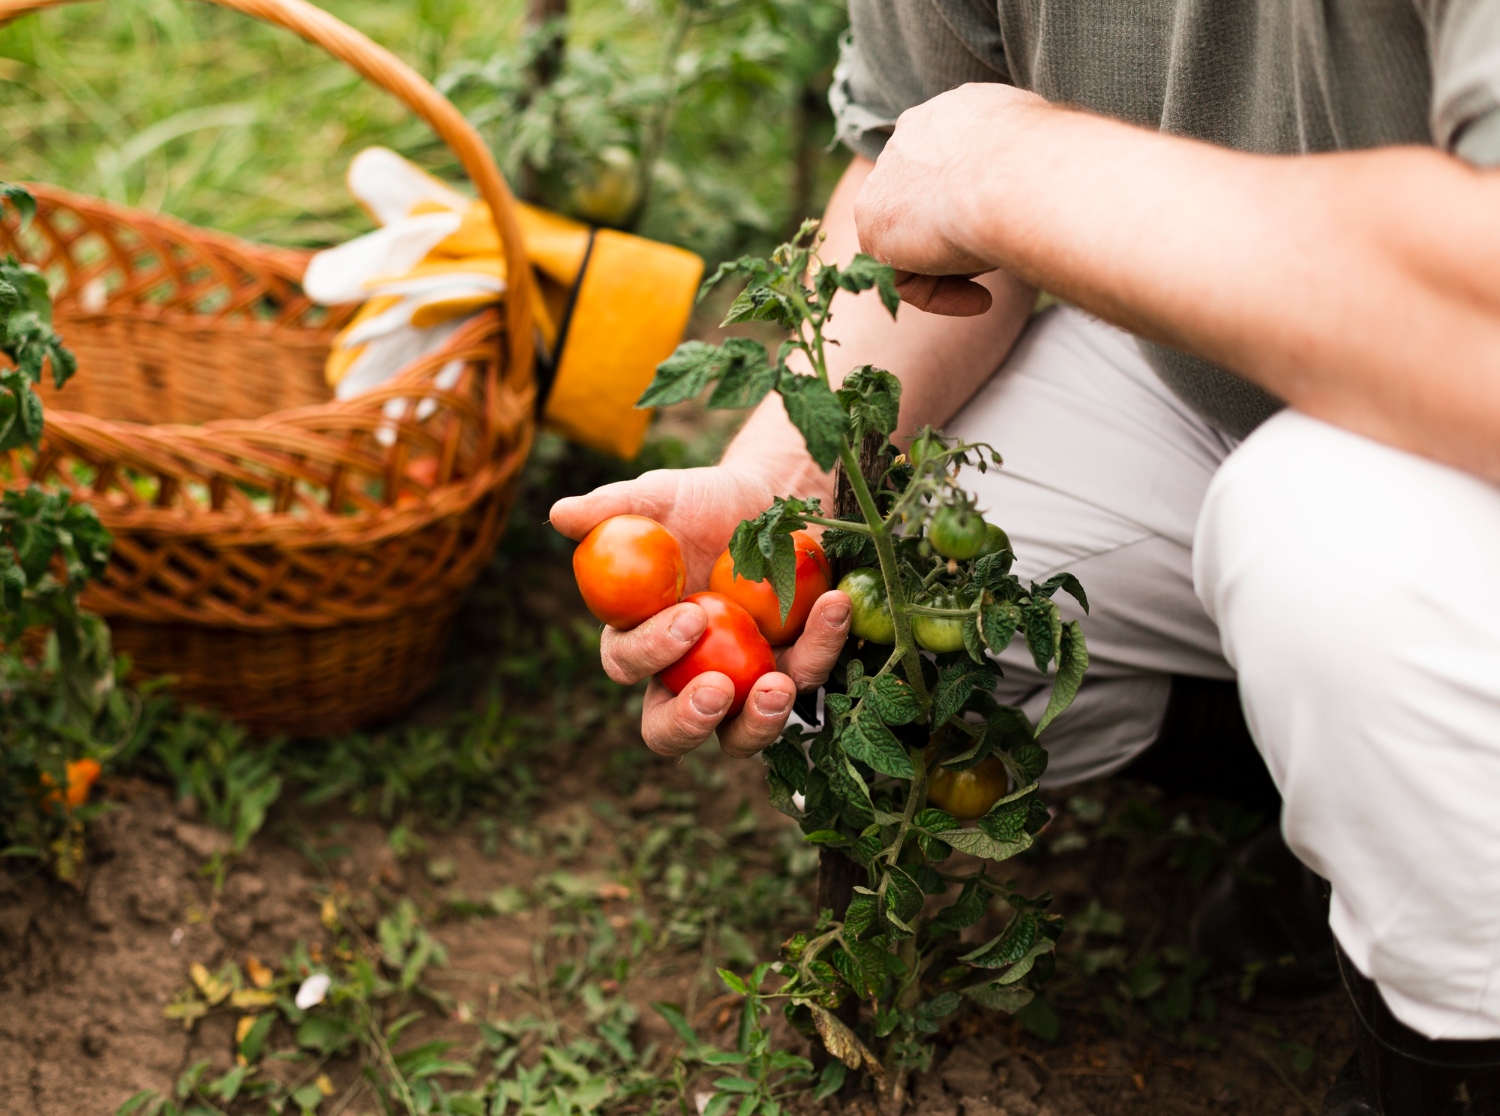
pixel 995 540
pixel 871 617
pixel 939 633
pixel 958 533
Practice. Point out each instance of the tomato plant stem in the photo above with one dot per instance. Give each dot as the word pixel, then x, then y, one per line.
pixel 894 591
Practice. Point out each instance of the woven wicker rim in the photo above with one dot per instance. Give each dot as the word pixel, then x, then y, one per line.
pixel 384 69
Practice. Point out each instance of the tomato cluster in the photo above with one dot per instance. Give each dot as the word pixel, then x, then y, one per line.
pixel 629 568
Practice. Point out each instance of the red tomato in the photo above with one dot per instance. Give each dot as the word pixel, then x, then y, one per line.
pixel 758 598
pixel 731 644
pixel 629 568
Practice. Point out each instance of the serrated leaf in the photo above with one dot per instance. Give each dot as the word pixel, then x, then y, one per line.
pixel 872 743
pixel 779 793
pixel 992 572
pixel 684 374
pixel 872 399
pixel 1009 998
pixel 864 272
pixel 895 701
pixel 856 546
pixel 975 842
pixel 788 761
pixel 817 413
pixel 859 917
pixel 1067 583
pixel 747 376
pixel 20 198
pixel 997 625
pixel 955 683
pixel 1042 626
pixel 1029 760
pixel 934 820
pixel 1009 946
pixel 1018 971
pixel 973 641
pixel 970 906
pixel 1072 661
pixel 902 898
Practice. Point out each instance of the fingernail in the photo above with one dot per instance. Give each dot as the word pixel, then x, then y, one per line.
pixel 837 615
pixel 773 703
pixel 688 626
pixel 709 701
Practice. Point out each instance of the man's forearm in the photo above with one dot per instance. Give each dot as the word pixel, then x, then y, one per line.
pixel 941 361
pixel 1363 288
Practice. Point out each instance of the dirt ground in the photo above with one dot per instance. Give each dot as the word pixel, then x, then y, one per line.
pixel 84 976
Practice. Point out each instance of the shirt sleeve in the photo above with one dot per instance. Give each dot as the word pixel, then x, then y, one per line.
pixel 1464 39
pixel 899 53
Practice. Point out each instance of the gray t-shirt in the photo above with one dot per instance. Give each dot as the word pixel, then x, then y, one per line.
pixel 1268 76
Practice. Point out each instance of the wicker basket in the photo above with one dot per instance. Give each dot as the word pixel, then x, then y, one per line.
pixel 293 561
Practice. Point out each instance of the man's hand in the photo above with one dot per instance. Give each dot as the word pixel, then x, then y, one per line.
pixel 914 211
pixel 702 507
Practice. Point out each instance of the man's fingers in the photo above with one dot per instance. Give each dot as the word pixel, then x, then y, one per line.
pixel 654 645
pixel 576 516
pixel 762 719
pixel 674 726
pixel 950 295
pixel 809 660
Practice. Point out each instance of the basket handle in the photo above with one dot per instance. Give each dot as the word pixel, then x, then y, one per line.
pixel 385 70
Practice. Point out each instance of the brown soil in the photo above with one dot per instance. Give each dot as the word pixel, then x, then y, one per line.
pixel 84 974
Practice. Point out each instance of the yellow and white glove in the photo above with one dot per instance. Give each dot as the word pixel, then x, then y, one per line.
pixel 436 260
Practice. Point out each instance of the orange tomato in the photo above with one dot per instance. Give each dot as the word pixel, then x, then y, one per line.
pixel 758 598
pixel 629 568
pixel 968 794
pixel 81 776
pixel 731 644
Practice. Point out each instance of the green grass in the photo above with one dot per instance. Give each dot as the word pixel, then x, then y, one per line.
pixel 203 113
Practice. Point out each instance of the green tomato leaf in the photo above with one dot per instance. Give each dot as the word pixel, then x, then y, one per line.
pixel 762 547
pixel 1072 661
pixel 788 762
pixel 895 701
pixel 1009 999
pixel 975 842
pixel 741 366
pixel 872 743
pixel 779 793
pixel 1067 583
pixel 970 906
pixel 860 917
pixel 864 272
pixel 955 683
pixel 1009 946
pixel 746 379
pixel 997 625
pixel 903 900
pixel 817 413
pixel 20 198
pixel 872 399
pixel 1042 626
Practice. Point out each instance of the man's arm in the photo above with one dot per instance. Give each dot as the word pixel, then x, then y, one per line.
pixel 1363 287
pixel 941 362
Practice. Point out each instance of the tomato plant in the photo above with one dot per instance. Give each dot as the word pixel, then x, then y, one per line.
pixel 629 568
pixel 50 548
pixel 731 644
pixel 912 757
pixel 779 626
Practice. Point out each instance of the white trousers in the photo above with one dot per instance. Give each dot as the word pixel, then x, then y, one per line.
pixel 1356 591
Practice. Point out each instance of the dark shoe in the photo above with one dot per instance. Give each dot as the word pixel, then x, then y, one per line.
pixel 1404 1073
pixel 1266 918
pixel 1351 1093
